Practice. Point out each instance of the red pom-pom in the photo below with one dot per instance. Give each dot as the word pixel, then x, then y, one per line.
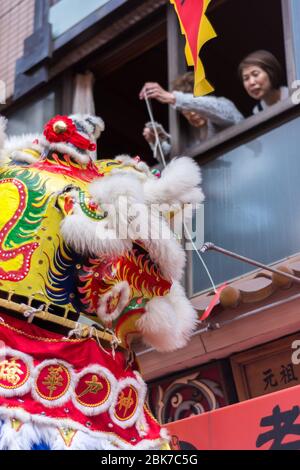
pixel 92 147
pixel 62 129
pixel 57 136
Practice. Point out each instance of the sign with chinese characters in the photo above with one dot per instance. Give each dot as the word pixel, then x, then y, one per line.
pixel 266 369
pixel 270 422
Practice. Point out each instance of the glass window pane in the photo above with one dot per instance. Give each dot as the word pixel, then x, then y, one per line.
pixel 252 204
pixel 296 31
pixel 31 118
pixel 67 13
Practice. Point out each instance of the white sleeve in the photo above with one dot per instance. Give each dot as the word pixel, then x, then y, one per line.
pixel 220 111
pixel 165 146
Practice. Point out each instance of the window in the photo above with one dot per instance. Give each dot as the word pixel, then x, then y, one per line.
pixel 248 28
pixel 241 29
pixel 31 118
pixel 119 75
pixel 252 204
pixel 295 14
pixel 245 207
pixel 65 14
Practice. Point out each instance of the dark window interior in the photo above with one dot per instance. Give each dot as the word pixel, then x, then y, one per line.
pixel 119 80
pixel 141 56
pixel 248 26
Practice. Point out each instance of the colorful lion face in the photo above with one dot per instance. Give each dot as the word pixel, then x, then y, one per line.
pixel 59 244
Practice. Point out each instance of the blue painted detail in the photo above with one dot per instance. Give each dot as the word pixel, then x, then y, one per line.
pixel 40 446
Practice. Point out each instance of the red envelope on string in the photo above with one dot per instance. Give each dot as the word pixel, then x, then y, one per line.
pixel 213 302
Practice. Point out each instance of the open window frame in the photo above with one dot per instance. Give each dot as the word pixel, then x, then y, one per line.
pixel 229 136
pixel 241 133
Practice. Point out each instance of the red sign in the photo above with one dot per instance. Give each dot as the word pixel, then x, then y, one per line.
pixel 271 422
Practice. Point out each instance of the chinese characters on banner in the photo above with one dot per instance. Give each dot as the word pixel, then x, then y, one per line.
pixel 197 30
pixel 280 425
pixel 270 422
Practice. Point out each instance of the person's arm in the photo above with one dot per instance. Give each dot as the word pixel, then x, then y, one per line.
pixel 220 111
pixel 165 146
pixel 165 143
pixel 153 90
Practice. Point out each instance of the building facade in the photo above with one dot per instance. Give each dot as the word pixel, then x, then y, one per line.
pixel 250 171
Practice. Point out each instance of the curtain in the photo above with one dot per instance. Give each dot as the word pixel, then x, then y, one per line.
pixel 83 102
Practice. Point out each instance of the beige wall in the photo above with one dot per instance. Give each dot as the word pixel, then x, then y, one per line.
pixel 16 24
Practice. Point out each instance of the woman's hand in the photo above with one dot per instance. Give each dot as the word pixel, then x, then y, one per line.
pixel 153 90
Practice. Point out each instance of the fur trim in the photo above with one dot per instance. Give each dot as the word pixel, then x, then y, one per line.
pixel 81 441
pixel 129 171
pixel 3 157
pixel 11 439
pixel 116 194
pixel 139 385
pixel 142 168
pixel 169 321
pixel 23 157
pixel 93 238
pixel 27 386
pixel 3 123
pixel 164 433
pixel 89 127
pixel 46 429
pixel 17 149
pixel 142 425
pixel 163 248
pixel 108 190
pixel 82 158
pixel 93 125
pixel 122 192
pixel 23 142
pixel 31 434
pixel 121 288
pixel 178 184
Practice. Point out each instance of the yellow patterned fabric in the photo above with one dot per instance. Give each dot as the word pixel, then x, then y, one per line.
pixel 36 263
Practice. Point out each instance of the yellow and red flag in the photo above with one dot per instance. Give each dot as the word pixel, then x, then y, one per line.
pixel 197 30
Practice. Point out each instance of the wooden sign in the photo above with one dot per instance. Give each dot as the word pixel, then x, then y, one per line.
pixel 266 369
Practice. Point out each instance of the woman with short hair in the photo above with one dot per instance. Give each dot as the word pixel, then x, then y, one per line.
pixel 261 75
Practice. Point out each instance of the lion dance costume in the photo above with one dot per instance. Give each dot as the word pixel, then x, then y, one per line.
pixel 74 292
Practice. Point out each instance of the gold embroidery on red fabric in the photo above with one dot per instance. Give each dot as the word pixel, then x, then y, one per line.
pixel 11 372
pixel 94 386
pixel 125 402
pixel 57 377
